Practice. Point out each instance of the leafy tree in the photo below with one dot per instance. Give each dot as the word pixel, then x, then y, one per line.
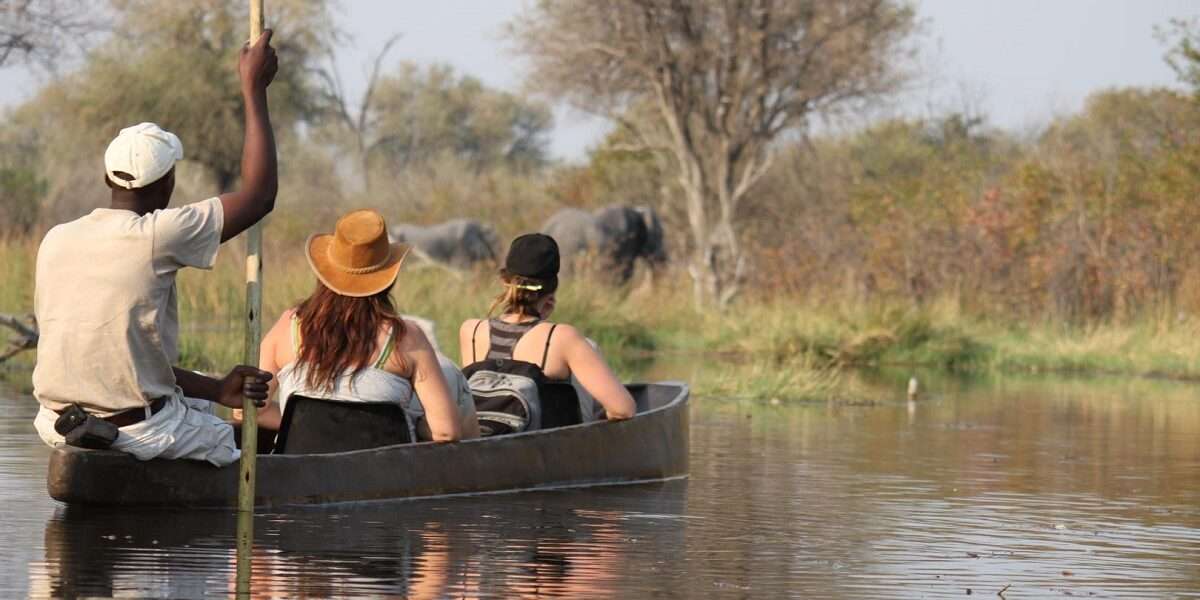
pixel 173 63
pixel 413 114
pixel 1088 221
pixel 721 81
pixel 1129 169
pixel 22 186
pixel 417 113
pixel 1184 54
pixel 20 192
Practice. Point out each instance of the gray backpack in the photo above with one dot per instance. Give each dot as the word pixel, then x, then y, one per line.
pixel 507 392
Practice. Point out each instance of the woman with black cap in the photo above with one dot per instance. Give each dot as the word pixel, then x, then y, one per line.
pixel 513 357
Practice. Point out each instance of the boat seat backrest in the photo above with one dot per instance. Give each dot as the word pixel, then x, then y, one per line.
pixel 560 405
pixel 318 426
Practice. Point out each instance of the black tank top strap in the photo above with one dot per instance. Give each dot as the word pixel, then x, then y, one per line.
pixel 478 322
pixel 546 352
pixel 504 337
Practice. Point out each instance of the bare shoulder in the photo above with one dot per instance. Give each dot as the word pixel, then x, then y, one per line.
pixel 414 337
pixel 283 322
pixel 566 334
pixel 425 325
pixel 468 327
pixel 276 347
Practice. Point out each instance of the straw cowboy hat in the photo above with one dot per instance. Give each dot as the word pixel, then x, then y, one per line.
pixel 356 260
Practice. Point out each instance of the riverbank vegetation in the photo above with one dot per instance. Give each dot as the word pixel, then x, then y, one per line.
pixel 785 347
pixel 933 240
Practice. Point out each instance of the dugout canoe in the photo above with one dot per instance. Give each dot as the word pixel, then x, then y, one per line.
pixel 651 446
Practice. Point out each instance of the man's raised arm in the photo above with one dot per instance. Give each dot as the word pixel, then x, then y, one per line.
pixel 260 174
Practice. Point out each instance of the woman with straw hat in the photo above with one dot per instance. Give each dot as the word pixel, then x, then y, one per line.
pixel 347 342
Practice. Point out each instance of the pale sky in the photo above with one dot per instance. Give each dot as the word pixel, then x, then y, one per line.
pixel 1019 62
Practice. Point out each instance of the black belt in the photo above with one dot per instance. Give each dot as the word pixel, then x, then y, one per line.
pixel 126 418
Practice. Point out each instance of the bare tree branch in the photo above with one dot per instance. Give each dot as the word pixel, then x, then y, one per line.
pixel 41 31
pixel 26 337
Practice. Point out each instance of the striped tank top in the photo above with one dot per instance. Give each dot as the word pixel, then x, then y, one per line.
pixel 505 336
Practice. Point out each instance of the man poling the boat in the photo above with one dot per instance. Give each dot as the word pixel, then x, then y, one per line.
pixel 105 296
pixel 513 360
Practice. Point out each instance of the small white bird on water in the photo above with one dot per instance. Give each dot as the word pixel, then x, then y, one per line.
pixel 914 388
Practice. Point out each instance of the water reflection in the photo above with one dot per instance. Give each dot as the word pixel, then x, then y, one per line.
pixel 561 544
pixel 106 553
pixel 1050 487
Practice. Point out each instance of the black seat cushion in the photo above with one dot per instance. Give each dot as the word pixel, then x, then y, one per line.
pixel 316 426
pixel 560 405
pixel 266 439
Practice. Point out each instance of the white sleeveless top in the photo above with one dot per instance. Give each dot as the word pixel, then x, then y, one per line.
pixel 372 384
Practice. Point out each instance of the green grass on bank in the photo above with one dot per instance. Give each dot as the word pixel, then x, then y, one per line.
pixel 786 348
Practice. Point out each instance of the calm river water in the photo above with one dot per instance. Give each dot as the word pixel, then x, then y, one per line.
pixel 1042 488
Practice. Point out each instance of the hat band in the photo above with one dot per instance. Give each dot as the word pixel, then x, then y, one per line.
pixel 356 270
pixel 532 287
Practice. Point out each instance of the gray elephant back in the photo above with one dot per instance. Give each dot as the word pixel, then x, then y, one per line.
pixel 404 232
pixel 610 239
pixel 460 243
pixel 575 231
pixel 625 231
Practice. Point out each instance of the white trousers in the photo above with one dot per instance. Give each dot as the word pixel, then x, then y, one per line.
pixel 184 428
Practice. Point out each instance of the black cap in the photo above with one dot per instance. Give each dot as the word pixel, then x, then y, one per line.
pixel 533 255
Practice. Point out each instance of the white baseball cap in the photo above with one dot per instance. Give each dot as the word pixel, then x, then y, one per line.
pixel 145 151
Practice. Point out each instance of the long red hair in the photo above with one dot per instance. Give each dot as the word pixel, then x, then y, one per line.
pixel 340 334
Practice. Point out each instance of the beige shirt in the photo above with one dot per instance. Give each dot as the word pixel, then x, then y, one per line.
pixel 105 302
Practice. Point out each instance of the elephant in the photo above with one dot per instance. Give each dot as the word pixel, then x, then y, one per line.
pixel 614 236
pixel 458 243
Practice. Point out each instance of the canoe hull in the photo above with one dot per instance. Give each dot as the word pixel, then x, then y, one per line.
pixel 651 446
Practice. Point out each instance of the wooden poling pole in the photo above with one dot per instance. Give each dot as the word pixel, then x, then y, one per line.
pixel 245 529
